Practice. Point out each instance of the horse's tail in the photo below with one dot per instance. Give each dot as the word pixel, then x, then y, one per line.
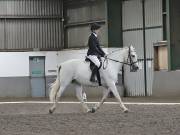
pixel 55 87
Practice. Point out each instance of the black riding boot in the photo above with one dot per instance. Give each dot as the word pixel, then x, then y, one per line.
pixel 94 72
pixel 99 78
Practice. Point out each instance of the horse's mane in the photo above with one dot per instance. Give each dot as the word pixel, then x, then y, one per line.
pixel 114 52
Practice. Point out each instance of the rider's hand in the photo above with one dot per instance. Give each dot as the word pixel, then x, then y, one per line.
pixel 105 56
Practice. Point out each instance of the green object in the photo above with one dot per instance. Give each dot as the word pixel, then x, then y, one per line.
pixel 173 37
pixel 37 72
pixel 114 17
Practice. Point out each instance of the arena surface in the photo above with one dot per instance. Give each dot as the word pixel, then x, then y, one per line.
pixel 145 118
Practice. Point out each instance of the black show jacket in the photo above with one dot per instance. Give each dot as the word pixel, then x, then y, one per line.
pixel 94 46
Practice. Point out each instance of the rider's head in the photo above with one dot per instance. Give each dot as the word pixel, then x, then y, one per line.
pixel 95 27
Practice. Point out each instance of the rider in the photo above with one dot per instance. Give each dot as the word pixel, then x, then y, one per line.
pixel 95 52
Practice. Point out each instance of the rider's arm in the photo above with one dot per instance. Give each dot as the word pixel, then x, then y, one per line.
pixel 102 52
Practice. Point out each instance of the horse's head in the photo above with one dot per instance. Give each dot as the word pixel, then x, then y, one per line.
pixel 132 57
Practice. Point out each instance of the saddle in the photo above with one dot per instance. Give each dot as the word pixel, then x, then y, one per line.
pixel 92 64
pixel 95 70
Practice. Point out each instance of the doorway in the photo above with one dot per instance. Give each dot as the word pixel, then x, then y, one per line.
pixel 37 76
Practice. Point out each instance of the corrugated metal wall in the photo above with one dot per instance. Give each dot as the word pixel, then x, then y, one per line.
pixel 132 14
pixel 29 24
pixel 153 13
pixel 133 34
pixel 78 16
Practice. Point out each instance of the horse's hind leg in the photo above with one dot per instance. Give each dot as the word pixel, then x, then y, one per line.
pixel 113 88
pixel 58 95
pixel 80 97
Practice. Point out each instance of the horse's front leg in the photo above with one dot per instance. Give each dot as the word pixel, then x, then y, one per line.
pixel 105 95
pixel 113 88
pixel 79 95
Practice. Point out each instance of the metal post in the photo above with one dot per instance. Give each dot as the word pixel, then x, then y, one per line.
pixel 62 24
pixel 168 33
pixel 5 35
pixel 144 46
pixel 65 28
pixel 123 84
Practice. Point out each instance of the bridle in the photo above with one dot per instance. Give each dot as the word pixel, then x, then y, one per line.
pixel 130 63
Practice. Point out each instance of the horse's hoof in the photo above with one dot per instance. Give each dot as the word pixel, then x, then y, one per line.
pixel 50 111
pixel 93 110
pixel 126 111
pixel 88 111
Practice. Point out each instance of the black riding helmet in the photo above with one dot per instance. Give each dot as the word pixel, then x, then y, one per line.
pixel 95 26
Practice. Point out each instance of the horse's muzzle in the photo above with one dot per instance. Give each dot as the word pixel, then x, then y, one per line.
pixel 134 68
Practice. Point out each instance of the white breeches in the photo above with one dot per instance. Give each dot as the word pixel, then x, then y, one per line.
pixel 94 59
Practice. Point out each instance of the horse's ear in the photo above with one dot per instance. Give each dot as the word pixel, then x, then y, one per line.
pixel 132 47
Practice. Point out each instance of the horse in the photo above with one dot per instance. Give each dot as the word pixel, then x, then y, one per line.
pixel 77 72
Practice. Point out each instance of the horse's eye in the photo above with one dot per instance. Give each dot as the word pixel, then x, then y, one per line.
pixel 133 56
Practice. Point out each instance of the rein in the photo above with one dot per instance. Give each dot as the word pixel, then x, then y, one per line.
pixel 124 63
